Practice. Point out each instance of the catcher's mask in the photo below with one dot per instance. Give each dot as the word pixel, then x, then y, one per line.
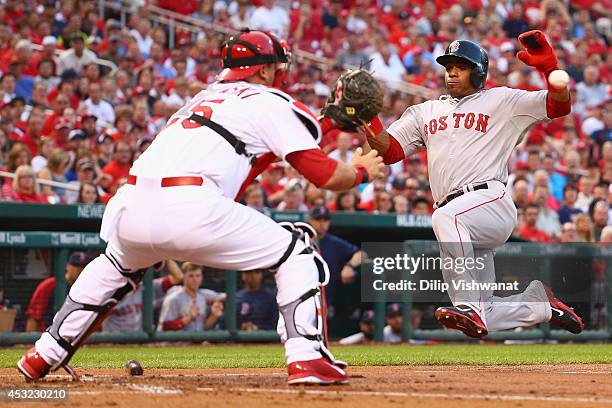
pixel 247 52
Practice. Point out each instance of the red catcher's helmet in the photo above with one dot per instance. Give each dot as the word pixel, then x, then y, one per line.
pixel 244 54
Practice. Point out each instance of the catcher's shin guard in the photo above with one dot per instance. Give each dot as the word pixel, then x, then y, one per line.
pixel 99 314
pixel 288 311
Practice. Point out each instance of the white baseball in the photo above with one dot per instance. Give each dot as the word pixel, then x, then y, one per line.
pixel 558 79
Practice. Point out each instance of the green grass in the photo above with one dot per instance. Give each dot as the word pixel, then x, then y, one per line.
pixel 272 356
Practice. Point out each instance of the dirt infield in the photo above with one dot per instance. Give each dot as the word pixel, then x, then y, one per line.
pixel 396 386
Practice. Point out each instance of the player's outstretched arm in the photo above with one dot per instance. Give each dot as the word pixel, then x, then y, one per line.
pixel 325 172
pixel 539 54
pixel 355 103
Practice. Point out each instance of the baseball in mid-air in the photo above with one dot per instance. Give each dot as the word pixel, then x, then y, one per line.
pixel 558 79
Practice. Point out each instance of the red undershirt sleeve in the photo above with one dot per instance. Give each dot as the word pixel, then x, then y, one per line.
pixel 313 164
pixel 394 153
pixel 557 109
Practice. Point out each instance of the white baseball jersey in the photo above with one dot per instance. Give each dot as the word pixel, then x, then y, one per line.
pixel 127 315
pixel 270 123
pixel 469 140
pixel 146 222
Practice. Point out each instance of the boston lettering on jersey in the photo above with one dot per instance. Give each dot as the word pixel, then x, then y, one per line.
pixel 478 122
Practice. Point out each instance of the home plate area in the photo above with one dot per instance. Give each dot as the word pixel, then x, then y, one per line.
pixel 406 386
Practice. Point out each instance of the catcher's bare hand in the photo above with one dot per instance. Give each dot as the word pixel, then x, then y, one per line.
pixel 371 161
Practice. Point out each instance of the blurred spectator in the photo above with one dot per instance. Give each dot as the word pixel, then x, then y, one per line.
pixel 585 193
pixel 241 17
pixel 584 228
pixel 88 194
pixel 271 184
pixel 142 37
pixel 254 197
pixel 17 155
pixel 24 187
pixel 548 220
pixel 516 23
pixel 127 314
pixel 256 306
pixel 401 206
pixel 293 199
pixel 366 330
pixel 46 146
pixel 191 308
pixel 343 151
pixel 97 106
pixel 599 214
pixel 352 54
pixel 270 17
pixel 520 193
pixel 420 206
pixel 46 75
pixel 530 231
pixel 568 233
pixel 568 209
pixel 55 170
pixel 392 333
pixel 76 57
pixel 40 310
pixel 606 235
pixel 591 91
pixel 411 189
pixel 85 174
pixel 386 64
pixel 105 146
pixel 384 205
pixel 347 201
pixel 121 163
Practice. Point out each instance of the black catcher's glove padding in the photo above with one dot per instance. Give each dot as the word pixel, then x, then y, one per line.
pixel 356 98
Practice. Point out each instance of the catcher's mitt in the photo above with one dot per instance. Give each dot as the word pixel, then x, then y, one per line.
pixel 356 98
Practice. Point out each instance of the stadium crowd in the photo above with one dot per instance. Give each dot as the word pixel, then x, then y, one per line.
pixel 66 118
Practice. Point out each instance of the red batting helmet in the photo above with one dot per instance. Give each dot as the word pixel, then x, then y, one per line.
pixel 244 54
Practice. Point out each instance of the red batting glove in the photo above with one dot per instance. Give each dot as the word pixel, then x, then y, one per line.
pixel 538 52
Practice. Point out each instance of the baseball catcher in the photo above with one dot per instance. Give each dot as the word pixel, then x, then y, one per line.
pixel 179 203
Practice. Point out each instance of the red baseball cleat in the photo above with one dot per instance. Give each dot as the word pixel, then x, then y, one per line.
pixel 32 365
pixel 563 315
pixel 318 371
pixel 462 318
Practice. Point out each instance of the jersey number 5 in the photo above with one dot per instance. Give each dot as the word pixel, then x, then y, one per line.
pixel 201 108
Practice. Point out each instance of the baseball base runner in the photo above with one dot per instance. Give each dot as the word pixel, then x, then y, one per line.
pixel 469 136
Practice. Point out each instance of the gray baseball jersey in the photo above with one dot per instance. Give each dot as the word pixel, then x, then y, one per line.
pixel 178 302
pixel 127 315
pixel 469 140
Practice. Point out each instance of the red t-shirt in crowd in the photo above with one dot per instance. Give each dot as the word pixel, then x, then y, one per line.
pixel 534 234
pixel 40 302
pixel 270 189
pixel 117 170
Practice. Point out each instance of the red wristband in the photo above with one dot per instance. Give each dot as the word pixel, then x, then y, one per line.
pixel 362 175
pixel 326 125
pixel 373 127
